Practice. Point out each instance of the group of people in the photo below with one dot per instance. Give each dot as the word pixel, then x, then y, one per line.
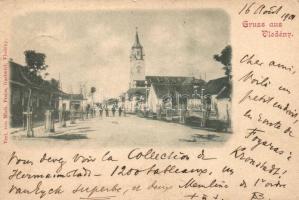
pixel 114 109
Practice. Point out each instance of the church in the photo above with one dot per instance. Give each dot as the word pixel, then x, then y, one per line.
pixel 137 71
pixel 178 98
pixel 141 86
pixel 137 92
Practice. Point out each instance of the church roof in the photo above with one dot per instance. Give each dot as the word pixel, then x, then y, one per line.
pixel 136 92
pixel 171 85
pixel 169 80
pixel 199 82
pixel 163 91
pixel 137 42
pixel 139 83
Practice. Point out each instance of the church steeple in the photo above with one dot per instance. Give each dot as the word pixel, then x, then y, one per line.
pixel 137 49
pixel 137 72
pixel 137 42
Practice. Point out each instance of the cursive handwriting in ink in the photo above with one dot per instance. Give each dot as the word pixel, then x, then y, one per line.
pixel 151 154
pixel 251 60
pixel 49 159
pixel 37 190
pixel 249 77
pixel 108 157
pixel 14 158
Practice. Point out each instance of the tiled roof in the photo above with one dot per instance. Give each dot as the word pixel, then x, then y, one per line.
pixel 214 86
pixel 75 96
pixel 171 85
pixel 20 76
pixel 169 80
pixel 172 90
pixel 224 93
pixel 136 92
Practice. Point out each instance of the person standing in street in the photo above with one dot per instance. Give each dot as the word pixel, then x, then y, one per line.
pixel 119 111
pixel 113 110
pixel 124 109
pixel 107 111
pixel 101 111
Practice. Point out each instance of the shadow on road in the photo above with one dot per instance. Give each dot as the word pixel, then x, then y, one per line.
pixel 202 138
pixel 69 137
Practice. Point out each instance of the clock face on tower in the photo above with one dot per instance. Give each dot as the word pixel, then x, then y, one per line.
pixel 137 54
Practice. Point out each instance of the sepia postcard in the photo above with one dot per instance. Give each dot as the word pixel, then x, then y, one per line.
pixel 149 100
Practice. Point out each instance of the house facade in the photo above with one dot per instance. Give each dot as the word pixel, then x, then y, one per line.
pixel 30 93
pixel 134 99
pixel 171 93
pixel 220 92
pixel 77 102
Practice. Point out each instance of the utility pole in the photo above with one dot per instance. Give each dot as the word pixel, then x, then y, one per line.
pixel 62 114
pixel 49 118
pixel 72 109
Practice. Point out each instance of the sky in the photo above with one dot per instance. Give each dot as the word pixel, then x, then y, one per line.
pixel 92 48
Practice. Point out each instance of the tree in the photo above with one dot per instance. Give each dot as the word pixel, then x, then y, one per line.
pixel 54 83
pixel 35 61
pixel 225 58
pixel 92 91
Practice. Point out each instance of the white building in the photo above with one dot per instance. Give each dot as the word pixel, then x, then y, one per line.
pixel 75 101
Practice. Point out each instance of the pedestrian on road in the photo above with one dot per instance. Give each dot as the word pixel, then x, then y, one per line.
pixel 87 111
pixel 107 111
pixel 124 111
pixel 101 111
pixel 113 110
pixel 119 111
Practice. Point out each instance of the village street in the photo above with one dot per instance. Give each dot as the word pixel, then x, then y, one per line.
pixel 121 131
pixel 151 85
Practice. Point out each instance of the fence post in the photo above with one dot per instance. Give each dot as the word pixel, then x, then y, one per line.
pixel 29 124
pixel 62 116
pixel 49 121
pixel 182 116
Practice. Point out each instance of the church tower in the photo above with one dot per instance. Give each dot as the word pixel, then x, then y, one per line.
pixel 137 72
